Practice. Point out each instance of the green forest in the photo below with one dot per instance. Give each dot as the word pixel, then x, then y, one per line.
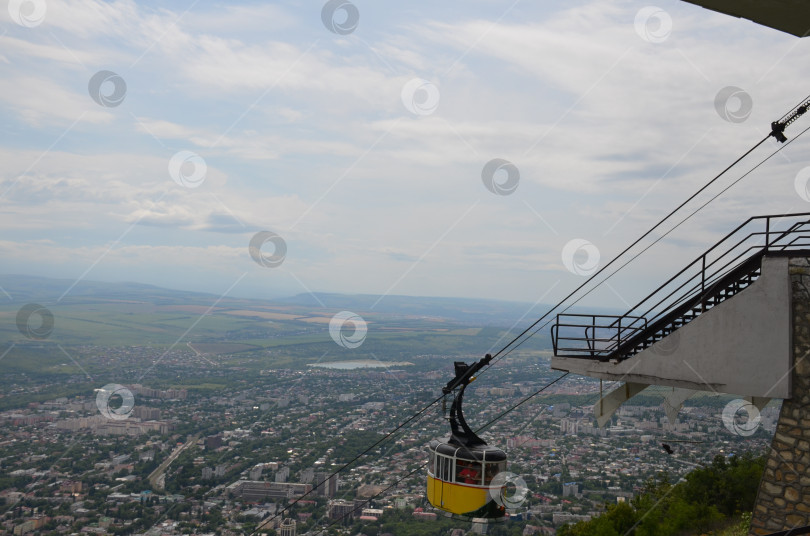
pixel 716 498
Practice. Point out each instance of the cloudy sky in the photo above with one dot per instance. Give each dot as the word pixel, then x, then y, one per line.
pixel 152 141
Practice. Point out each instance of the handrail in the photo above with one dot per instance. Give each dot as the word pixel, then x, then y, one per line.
pixel 689 305
pixel 710 278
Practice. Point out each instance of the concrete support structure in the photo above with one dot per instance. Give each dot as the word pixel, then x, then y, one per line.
pixel 608 404
pixel 741 346
pixel 755 344
pixel 783 500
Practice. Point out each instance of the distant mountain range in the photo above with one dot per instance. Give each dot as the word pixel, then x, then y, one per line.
pixel 21 289
pixel 26 288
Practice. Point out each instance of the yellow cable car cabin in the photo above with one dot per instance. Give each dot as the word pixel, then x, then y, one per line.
pixel 459 479
pixel 462 468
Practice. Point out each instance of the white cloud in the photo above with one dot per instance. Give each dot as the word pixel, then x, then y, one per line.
pixel 40 101
pixel 304 133
pixel 44 51
pixel 260 19
pixel 91 18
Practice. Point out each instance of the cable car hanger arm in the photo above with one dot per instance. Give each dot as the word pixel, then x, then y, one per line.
pixel 461 433
pixel 465 373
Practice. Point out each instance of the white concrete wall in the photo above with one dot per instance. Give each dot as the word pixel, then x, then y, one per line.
pixel 742 346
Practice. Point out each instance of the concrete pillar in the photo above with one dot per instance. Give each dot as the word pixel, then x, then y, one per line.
pixel 783 500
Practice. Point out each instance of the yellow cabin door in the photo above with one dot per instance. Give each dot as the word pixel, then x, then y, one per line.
pixel 438 490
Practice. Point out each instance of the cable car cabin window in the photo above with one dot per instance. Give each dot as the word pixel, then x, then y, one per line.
pixel 468 472
pixel 492 469
pixel 432 464
pixel 444 468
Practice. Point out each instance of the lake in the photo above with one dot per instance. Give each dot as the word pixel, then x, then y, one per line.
pixel 360 363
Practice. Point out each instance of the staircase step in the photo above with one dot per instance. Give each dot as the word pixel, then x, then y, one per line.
pixel 643 339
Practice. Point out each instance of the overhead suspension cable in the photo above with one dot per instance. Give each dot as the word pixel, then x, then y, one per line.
pixel 512 408
pixel 416 415
pixel 628 248
pixel 777 131
pixel 480 429
pixel 654 242
pixel 513 344
pixel 367 501
pixel 778 127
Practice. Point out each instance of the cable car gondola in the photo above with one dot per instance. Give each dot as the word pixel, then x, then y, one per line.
pixel 462 468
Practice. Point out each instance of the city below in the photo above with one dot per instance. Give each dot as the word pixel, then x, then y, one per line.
pixel 265 422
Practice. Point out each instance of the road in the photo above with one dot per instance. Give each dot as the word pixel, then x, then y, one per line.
pixel 156 479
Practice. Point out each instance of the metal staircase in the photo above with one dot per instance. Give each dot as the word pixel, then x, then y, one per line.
pixel 724 270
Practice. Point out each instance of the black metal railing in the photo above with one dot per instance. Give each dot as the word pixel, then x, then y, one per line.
pixel 593 334
pixel 726 268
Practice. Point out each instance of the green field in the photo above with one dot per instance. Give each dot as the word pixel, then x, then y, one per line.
pixel 107 331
